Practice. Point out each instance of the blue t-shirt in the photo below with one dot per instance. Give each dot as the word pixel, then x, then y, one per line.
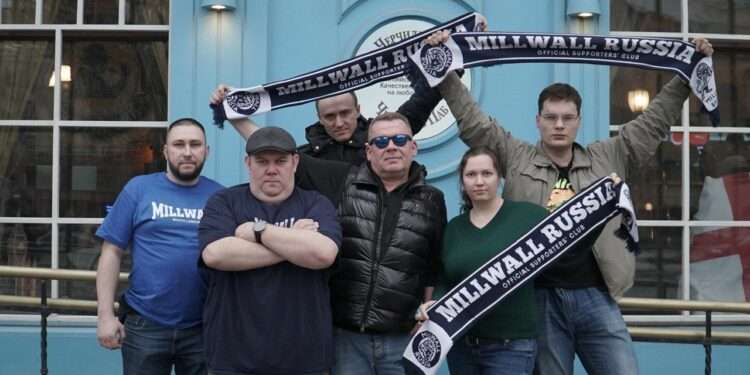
pixel 159 220
pixel 270 320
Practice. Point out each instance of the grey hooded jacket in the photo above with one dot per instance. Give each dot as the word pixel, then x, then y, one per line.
pixel 530 174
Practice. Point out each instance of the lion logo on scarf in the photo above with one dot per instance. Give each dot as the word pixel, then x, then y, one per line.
pixel 703 72
pixel 244 102
pixel 426 348
pixel 436 60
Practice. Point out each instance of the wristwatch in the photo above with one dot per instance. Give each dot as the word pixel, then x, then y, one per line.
pixel 258 228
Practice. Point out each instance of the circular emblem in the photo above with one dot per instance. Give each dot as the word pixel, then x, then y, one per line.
pixel 703 72
pixel 426 349
pixel 389 95
pixel 436 60
pixel 245 103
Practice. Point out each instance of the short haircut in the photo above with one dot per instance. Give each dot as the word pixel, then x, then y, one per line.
pixel 186 121
pixel 389 116
pixel 558 92
pixel 356 101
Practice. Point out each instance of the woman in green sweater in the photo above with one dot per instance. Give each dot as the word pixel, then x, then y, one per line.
pixel 504 340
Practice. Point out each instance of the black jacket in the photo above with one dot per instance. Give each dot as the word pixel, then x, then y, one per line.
pixel 390 251
pixel 320 145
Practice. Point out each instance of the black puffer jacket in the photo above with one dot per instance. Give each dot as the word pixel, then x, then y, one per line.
pixel 378 282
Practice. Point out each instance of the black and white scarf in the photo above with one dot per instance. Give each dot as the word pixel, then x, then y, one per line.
pixel 452 315
pixel 358 72
pixel 466 50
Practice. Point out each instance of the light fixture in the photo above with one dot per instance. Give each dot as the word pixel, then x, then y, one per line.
pixel 583 8
pixel 219 5
pixel 638 100
pixel 64 75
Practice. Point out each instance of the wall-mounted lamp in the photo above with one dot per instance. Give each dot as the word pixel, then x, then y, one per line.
pixel 64 75
pixel 219 5
pixel 583 8
pixel 638 100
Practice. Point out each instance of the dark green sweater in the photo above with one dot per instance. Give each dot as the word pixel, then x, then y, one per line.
pixel 466 248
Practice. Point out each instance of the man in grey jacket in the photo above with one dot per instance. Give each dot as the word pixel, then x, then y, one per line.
pixel 576 295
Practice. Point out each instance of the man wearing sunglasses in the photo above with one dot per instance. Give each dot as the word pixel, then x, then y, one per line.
pixel 389 255
pixel 392 223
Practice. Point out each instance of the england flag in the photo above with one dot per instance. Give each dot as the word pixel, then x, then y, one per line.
pixel 720 256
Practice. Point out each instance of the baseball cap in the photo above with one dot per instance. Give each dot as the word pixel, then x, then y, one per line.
pixel 270 138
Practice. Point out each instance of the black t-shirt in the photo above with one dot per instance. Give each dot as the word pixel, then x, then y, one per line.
pixel 324 176
pixel 270 320
pixel 577 268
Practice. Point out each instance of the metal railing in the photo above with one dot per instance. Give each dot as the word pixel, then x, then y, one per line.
pixel 43 303
pixel 707 337
pixel 51 274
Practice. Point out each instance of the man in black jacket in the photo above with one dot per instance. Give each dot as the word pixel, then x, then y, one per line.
pixel 392 223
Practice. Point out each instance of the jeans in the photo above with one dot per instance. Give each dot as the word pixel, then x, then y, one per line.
pixel 586 322
pixel 492 357
pixel 151 349
pixel 367 353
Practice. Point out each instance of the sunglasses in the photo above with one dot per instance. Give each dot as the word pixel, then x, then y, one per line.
pixel 382 142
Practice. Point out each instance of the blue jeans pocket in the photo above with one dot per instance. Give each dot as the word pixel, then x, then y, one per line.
pixel 518 345
pixel 133 320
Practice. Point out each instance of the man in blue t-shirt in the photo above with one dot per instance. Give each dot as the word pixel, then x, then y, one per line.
pixel 157 217
pixel 266 247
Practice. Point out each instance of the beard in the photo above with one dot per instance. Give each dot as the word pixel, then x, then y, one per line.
pixel 185 177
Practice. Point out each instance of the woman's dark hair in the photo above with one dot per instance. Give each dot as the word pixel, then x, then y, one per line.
pixel 470 153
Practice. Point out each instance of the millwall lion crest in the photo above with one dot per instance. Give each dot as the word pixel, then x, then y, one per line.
pixel 426 349
pixel 436 60
pixel 244 102
pixel 703 72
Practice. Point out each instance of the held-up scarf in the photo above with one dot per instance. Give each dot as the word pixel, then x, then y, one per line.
pixel 361 71
pixel 452 315
pixel 466 50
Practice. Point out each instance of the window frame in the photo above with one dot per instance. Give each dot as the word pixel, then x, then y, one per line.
pixel 55 220
pixel 685 223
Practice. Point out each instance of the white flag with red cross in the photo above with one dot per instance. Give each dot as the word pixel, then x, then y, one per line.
pixel 720 256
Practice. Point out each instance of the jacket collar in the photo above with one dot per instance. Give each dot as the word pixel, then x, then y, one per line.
pixel 318 138
pixel 365 175
pixel 580 158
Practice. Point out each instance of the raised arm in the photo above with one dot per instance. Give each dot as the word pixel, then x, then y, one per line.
pixel 476 128
pixel 639 139
pixel 421 103
pixel 244 126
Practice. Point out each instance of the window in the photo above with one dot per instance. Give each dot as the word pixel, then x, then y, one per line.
pixel 694 217
pixel 83 108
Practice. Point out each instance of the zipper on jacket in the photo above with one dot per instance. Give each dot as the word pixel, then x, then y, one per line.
pixel 375 263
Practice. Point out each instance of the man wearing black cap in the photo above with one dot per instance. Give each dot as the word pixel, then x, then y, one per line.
pixel 266 247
